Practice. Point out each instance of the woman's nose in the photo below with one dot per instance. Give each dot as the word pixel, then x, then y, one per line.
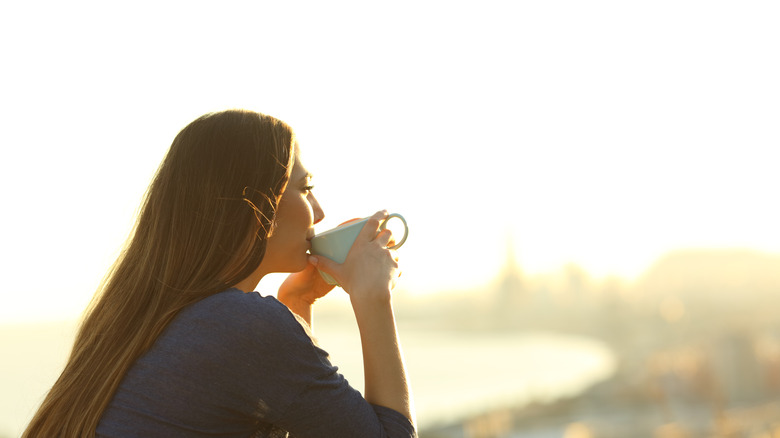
pixel 318 213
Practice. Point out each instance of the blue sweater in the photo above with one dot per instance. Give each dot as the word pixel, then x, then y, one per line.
pixel 241 365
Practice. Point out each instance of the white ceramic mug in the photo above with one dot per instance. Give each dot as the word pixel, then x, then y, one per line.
pixel 336 242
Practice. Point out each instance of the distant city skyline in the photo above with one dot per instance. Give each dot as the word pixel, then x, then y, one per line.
pixel 697 347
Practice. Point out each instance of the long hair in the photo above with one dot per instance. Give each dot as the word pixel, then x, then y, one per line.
pixel 202 227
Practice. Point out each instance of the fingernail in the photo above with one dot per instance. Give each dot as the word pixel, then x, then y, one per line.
pixel 313 260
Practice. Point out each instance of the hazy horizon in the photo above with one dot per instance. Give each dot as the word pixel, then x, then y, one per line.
pixel 634 285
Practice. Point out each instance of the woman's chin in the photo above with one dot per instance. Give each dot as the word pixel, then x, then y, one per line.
pixel 293 263
pixel 299 265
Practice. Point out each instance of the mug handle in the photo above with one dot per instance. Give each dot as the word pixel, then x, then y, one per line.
pixel 406 229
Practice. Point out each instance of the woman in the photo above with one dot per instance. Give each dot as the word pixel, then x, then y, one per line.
pixel 176 344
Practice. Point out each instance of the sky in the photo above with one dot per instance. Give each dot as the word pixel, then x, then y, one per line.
pixel 599 133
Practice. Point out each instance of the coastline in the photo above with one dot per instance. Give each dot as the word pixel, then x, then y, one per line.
pixel 454 374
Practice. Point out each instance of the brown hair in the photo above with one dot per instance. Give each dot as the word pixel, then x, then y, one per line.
pixel 203 227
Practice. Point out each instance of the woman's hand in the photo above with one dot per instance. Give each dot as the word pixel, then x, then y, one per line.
pixel 301 289
pixel 370 270
pixel 307 285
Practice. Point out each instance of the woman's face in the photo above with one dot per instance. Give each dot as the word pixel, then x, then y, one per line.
pixel 296 215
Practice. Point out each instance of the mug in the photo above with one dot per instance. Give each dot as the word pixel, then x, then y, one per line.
pixel 336 243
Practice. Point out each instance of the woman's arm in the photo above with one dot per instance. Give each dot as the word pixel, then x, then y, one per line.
pixel 301 289
pixel 324 404
pixel 383 364
pixel 298 306
pixel 270 369
pixel 369 275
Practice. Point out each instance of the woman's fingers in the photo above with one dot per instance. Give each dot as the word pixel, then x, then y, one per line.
pixel 371 267
pixel 371 228
pixel 327 265
pixel 384 238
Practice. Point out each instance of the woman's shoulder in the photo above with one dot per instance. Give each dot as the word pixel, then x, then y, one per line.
pixel 247 327
pixel 234 309
pixel 234 324
pixel 234 314
pixel 236 300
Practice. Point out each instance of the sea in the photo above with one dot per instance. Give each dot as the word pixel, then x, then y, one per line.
pixel 453 373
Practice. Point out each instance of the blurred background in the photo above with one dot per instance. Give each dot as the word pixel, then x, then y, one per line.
pixel 590 189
